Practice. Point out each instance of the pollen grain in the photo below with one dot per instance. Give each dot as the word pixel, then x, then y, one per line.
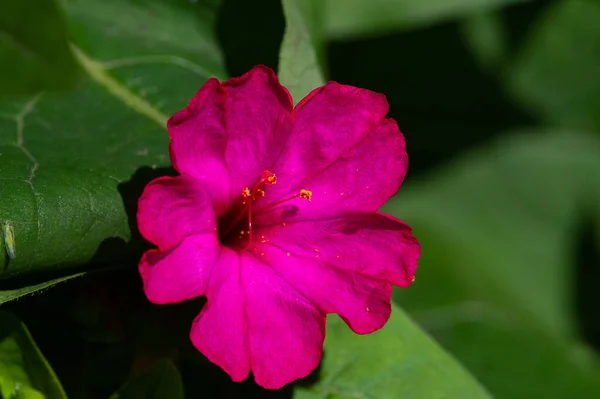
pixel 268 177
pixel 306 194
pixel 245 194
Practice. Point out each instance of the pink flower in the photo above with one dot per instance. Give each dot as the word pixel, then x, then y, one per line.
pixel 274 219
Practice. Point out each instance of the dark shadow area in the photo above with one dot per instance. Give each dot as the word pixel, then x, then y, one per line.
pixel 56 332
pixel 250 33
pixel 587 281
pixel 117 250
pixel 443 102
pixel 219 385
pixel 521 18
pixel 101 330
pixel 14 283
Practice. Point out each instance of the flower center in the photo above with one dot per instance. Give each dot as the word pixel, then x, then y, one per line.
pixel 243 228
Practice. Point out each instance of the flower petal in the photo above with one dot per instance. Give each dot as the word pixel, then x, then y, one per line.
pixel 364 178
pixel 181 273
pixel 220 332
pixel 375 245
pixel 344 265
pixel 331 126
pixel 172 208
pixel 254 319
pixel 360 180
pixel 286 330
pixel 231 132
pixel 363 302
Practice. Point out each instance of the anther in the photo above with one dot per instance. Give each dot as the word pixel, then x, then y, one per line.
pixel 268 177
pixel 249 195
pixel 245 194
pixel 306 194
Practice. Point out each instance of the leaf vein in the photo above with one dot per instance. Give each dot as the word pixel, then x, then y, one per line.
pixel 98 73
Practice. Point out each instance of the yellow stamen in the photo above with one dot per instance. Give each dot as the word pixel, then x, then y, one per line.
pixel 268 177
pixel 306 194
pixel 245 194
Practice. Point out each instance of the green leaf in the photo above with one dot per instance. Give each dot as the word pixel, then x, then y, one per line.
pixel 352 18
pixel 300 59
pixel 24 372
pixel 73 165
pixel 496 277
pixel 34 52
pixel 9 294
pixel 399 361
pixel 487 37
pixel 161 381
pixel 512 358
pixel 555 74
pixel 160 50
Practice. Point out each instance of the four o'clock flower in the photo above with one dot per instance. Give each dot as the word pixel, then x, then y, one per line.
pixel 274 218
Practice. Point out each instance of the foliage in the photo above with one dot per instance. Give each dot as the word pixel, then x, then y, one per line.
pixel 504 297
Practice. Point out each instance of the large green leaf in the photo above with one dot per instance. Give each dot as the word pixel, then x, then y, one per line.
pixel 66 160
pixel 34 52
pixel 398 361
pixel 162 381
pixel 351 18
pixel 160 50
pixel 300 61
pixel 495 283
pixel 24 372
pixel 556 71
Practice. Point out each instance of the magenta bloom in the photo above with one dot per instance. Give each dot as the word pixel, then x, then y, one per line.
pixel 274 219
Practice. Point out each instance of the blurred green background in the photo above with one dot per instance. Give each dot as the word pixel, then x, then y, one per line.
pixel 499 101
